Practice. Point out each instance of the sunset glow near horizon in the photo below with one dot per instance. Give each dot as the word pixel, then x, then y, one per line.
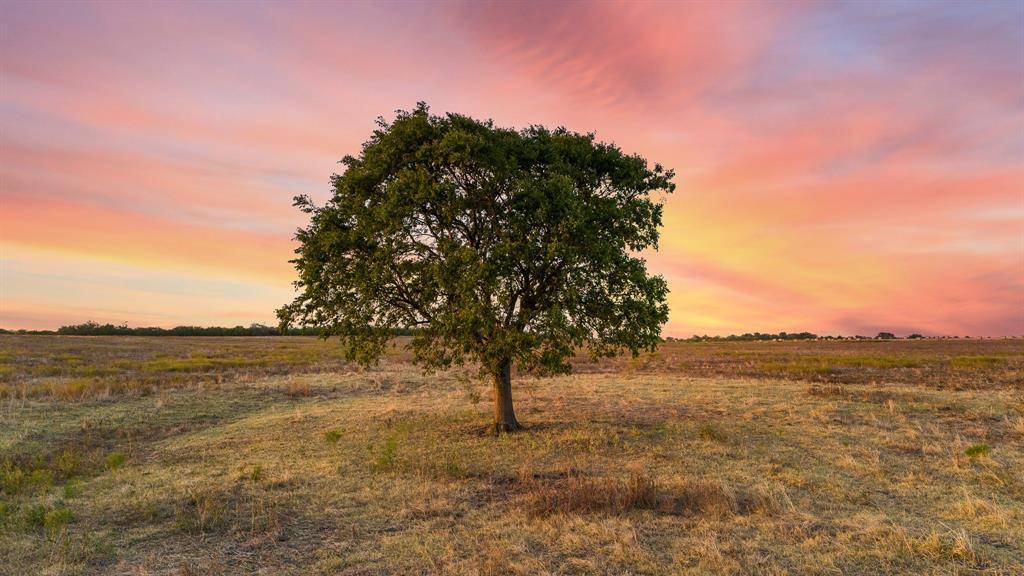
pixel 842 168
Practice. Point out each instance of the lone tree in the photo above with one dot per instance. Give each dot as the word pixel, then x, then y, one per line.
pixel 501 247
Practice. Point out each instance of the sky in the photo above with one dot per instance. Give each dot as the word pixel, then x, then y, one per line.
pixel 842 168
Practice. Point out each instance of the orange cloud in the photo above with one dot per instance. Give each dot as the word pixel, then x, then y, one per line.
pixel 144 241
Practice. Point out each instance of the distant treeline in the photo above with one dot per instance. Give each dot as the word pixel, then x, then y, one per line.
pixel 96 329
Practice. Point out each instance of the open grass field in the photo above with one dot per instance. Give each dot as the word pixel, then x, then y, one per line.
pixel 270 455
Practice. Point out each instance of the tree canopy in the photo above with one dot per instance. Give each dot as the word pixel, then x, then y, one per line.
pixel 502 247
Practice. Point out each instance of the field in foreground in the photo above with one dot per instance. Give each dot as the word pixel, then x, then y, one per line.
pixel 271 455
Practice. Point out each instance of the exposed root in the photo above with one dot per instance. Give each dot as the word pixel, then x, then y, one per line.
pixel 499 428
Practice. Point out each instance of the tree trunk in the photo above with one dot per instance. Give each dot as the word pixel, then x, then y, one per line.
pixel 504 415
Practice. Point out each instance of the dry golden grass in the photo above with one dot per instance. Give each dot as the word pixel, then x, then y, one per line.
pixel 637 470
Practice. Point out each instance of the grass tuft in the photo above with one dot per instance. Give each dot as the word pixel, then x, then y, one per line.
pixel 596 495
pixel 711 433
pixel 115 460
pixel 977 450
pixel 386 459
pixel 200 512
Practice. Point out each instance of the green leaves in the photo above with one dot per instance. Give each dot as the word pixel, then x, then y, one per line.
pixel 497 244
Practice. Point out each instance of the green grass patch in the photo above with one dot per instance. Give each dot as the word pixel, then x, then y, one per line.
pixel 35 517
pixel 977 450
pixel 387 457
pixel 830 365
pixel 971 362
pixel 115 460
pixel 18 480
pixel 96 371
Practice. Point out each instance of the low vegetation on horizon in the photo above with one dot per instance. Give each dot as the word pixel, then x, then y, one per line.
pixel 255 329
pixel 137 455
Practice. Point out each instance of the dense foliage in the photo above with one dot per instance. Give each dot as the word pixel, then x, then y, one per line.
pixel 500 244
